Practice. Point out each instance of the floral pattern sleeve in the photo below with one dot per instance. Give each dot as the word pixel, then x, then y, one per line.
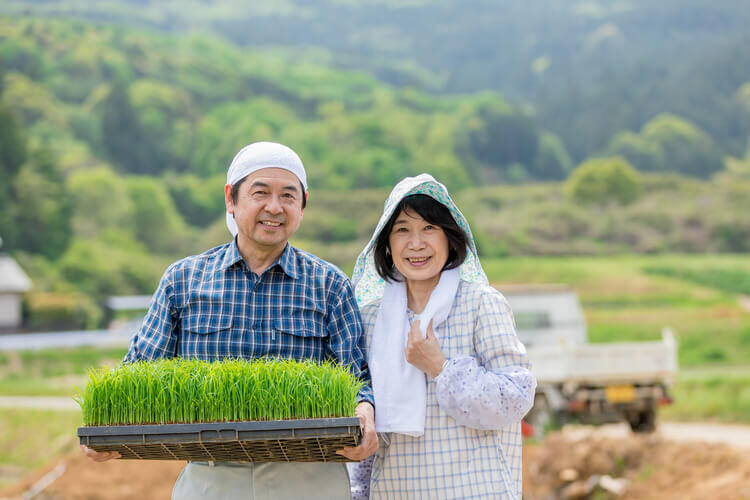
pixel 494 388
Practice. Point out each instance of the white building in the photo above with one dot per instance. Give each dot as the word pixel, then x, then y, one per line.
pixel 13 283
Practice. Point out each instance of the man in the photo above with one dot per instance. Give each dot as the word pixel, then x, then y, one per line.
pixel 259 296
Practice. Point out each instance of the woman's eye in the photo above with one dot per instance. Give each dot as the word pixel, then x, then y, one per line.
pixel 429 227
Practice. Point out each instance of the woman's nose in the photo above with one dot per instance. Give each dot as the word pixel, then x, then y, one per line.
pixel 415 241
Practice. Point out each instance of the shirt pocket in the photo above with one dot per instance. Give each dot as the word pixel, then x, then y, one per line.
pixel 205 319
pixel 304 323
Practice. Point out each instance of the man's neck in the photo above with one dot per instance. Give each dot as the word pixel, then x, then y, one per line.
pixel 259 258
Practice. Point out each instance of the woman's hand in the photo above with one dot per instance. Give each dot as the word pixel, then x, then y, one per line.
pixel 424 353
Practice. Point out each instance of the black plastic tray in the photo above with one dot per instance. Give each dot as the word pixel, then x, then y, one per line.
pixel 304 440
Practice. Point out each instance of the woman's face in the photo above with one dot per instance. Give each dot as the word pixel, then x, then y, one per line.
pixel 419 249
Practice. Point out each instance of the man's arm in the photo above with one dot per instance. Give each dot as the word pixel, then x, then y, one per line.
pixel 347 346
pixel 157 337
pixel 346 339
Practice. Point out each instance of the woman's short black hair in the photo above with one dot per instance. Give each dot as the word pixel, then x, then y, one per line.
pixel 433 212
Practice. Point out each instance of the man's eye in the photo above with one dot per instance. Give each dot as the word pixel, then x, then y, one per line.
pixel 289 195
pixel 429 227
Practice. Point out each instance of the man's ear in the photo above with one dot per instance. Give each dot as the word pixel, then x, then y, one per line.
pixel 228 198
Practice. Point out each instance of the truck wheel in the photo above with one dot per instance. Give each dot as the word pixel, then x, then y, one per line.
pixel 643 422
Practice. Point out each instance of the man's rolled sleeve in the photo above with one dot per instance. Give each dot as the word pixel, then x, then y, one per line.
pixel 157 336
pixel 346 337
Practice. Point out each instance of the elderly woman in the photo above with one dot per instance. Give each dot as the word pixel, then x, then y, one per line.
pixel 450 377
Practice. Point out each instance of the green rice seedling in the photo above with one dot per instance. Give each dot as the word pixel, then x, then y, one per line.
pixel 189 390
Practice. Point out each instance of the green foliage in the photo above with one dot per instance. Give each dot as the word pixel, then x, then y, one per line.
pixel 124 138
pixel 101 201
pixel 42 223
pixel 669 143
pixel 156 222
pixel 184 391
pixel 13 153
pixel 60 311
pixel 100 268
pixel 199 201
pixel 604 181
pixel 552 161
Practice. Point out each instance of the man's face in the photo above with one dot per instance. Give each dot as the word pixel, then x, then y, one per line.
pixel 267 209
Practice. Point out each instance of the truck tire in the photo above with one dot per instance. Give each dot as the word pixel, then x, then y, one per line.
pixel 643 421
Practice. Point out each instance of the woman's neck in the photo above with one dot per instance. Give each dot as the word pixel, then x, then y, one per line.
pixel 418 293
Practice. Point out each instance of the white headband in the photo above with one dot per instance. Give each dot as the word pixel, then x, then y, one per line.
pixel 261 155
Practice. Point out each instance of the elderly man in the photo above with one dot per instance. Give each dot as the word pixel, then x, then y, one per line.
pixel 259 296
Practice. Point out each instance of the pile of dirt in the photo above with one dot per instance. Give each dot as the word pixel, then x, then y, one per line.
pixel 562 466
pixel 633 467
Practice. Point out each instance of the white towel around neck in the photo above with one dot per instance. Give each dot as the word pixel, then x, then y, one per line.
pixel 401 388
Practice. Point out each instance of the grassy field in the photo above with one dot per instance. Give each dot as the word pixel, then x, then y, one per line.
pixel 31 438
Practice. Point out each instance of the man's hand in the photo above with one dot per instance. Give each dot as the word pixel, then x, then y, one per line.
pixel 99 456
pixel 424 353
pixel 369 444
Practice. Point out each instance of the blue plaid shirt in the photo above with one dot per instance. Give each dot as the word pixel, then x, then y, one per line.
pixel 212 306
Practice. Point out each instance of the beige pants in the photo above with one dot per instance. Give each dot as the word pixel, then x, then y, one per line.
pixel 262 481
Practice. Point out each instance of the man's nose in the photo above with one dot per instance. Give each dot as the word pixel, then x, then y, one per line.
pixel 273 205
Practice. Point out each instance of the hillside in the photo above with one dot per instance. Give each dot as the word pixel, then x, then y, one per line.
pixel 598 66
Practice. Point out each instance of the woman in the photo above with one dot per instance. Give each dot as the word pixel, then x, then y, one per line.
pixel 450 377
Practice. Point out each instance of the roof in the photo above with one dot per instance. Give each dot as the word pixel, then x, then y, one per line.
pixel 12 277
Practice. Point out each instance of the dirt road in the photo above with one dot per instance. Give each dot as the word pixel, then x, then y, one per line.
pixel 736 436
pixel 679 461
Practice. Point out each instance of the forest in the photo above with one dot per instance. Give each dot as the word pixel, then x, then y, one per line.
pixel 116 131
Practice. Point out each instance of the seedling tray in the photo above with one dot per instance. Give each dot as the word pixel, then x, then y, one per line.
pixel 304 440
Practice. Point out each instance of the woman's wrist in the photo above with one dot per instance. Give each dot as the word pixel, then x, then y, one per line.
pixel 439 368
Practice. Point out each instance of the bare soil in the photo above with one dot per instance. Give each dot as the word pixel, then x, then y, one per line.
pixel 565 465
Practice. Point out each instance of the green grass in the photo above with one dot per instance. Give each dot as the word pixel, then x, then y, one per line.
pixel 183 391
pixel 52 372
pixel 31 438
pixel 720 394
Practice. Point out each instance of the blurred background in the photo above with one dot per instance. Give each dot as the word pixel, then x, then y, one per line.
pixel 603 145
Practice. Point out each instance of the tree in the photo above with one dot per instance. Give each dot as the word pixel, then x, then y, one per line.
pixel 669 143
pixel 124 139
pixel 156 221
pixel 100 200
pixel 604 181
pixel 42 218
pixel 13 154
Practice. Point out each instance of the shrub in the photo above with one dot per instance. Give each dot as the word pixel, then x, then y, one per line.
pixel 604 181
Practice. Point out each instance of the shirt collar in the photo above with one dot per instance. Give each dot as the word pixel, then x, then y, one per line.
pixel 287 261
pixel 231 255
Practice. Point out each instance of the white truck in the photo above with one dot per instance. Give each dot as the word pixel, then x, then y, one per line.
pixel 589 383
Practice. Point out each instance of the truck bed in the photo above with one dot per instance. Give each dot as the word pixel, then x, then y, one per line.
pixel 605 363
